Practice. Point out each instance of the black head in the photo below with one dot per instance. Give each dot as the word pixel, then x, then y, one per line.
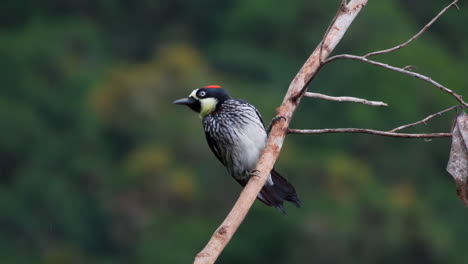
pixel 205 100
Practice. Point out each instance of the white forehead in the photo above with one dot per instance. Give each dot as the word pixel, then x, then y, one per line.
pixel 194 94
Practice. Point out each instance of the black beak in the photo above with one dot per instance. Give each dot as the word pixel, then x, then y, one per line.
pixel 185 101
pixel 191 102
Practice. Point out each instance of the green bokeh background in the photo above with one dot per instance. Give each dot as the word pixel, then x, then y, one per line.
pixel 97 165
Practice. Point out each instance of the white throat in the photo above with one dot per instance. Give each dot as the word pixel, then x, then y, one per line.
pixel 208 105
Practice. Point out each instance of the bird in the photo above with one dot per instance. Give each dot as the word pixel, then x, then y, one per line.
pixel 236 134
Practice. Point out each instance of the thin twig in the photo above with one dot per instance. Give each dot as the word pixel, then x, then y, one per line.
pixel 344 99
pixel 400 70
pixel 390 133
pixel 424 120
pixel 367 131
pixel 368 55
pixel 409 68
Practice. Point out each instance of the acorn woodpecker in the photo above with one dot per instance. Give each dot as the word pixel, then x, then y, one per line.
pixel 236 135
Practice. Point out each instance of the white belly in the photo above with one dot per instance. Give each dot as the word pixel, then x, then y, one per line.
pixel 250 143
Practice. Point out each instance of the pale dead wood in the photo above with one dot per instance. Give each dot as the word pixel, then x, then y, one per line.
pixel 366 131
pixel 390 133
pixel 408 69
pixel 223 234
pixel 424 29
pixel 344 99
pixel 424 120
pixel 368 55
pixel 400 70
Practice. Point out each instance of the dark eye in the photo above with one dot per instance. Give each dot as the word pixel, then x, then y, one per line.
pixel 202 93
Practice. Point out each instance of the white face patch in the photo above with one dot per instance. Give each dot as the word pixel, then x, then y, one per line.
pixel 208 105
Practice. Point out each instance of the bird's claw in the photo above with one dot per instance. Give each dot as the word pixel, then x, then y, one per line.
pixel 254 172
pixel 273 121
pixel 277 118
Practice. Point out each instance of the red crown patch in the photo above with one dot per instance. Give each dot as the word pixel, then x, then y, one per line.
pixel 212 86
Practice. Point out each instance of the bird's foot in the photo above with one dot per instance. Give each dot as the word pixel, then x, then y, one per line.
pixel 254 173
pixel 273 121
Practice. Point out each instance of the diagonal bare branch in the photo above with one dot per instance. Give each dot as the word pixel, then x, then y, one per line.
pixel 424 29
pixel 424 120
pixel 400 70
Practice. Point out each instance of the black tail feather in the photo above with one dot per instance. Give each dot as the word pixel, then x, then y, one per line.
pixel 281 190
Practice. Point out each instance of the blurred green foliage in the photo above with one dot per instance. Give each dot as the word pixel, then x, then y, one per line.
pixel 97 165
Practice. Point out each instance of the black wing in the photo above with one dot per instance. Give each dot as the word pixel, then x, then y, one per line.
pixel 214 148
